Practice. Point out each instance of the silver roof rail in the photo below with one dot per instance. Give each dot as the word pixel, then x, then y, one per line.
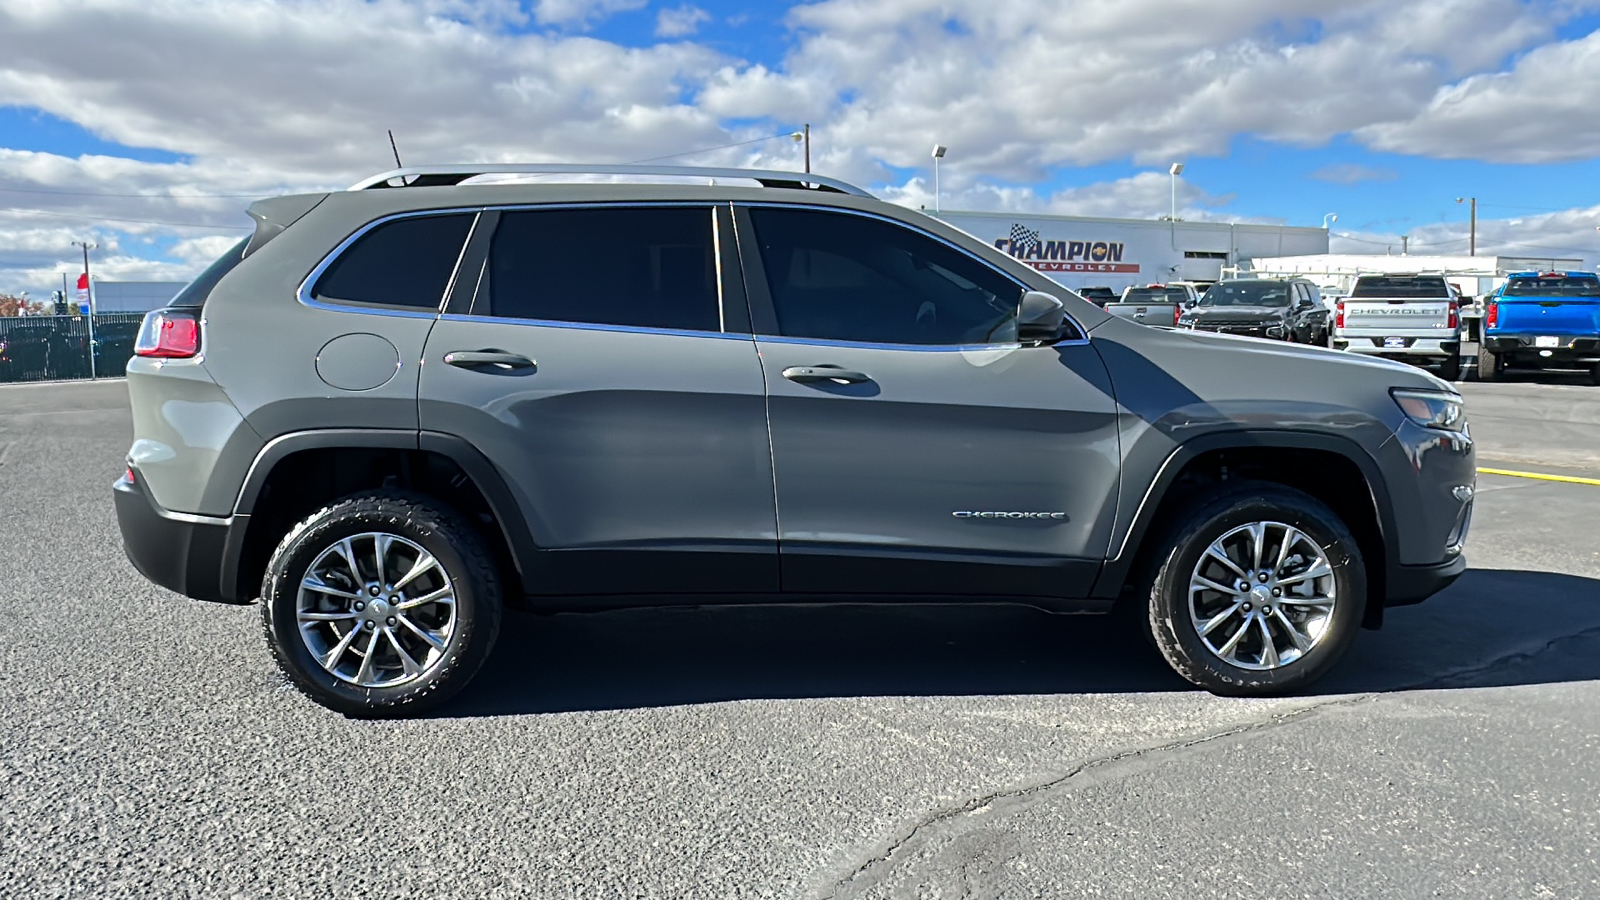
pixel 446 176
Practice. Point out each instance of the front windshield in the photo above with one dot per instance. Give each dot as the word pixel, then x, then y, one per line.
pixel 1247 293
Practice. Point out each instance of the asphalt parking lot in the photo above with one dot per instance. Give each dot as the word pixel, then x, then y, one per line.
pixel 149 748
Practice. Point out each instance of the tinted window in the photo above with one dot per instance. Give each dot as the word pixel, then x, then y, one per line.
pixel 1554 286
pixel 404 262
pixel 1155 295
pixel 1420 286
pixel 196 291
pixel 1247 293
pixel 647 268
pixel 842 277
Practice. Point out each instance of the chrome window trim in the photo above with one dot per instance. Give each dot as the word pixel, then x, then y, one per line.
pixel 597 326
pixel 402 312
pixel 873 345
pixel 830 342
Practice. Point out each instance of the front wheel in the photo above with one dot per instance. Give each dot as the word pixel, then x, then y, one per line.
pixel 382 604
pixel 1257 591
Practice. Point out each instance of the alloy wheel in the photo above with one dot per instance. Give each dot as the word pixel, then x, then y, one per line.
pixel 1262 595
pixel 376 610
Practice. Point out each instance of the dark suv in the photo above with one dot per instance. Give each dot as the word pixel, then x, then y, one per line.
pixel 395 408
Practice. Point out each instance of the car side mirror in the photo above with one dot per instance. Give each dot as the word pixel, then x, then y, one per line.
pixel 1190 304
pixel 1041 318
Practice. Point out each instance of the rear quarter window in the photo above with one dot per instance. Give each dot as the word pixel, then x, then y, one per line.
pixel 403 263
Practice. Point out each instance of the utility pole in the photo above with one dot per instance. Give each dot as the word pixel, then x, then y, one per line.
pixel 1405 241
pixel 88 291
pixel 1174 172
pixel 1472 240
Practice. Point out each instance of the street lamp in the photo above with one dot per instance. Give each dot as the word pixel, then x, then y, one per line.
pixel 938 154
pixel 1328 220
pixel 1472 240
pixel 1175 171
pixel 805 138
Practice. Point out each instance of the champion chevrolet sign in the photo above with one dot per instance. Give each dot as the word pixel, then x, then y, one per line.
pixel 1026 245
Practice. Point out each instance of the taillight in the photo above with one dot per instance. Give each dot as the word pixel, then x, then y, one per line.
pixel 1455 317
pixel 1177 313
pixel 168 334
pixel 1338 319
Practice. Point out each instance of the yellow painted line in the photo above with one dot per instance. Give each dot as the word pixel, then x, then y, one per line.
pixel 1570 479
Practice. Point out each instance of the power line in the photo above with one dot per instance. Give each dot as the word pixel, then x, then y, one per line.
pixel 95 218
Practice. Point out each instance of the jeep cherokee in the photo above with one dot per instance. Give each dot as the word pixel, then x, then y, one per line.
pixel 394 409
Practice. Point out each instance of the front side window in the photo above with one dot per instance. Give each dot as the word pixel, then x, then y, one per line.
pixel 404 262
pixel 835 276
pixel 644 267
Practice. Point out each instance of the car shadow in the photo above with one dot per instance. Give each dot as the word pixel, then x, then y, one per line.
pixel 628 659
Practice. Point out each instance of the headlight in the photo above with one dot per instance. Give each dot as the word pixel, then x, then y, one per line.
pixel 1431 409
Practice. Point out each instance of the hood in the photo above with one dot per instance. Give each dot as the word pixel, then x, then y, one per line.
pixel 1240 314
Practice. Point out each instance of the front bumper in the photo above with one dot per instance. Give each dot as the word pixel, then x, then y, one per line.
pixel 1270 330
pixel 1414 584
pixel 179 552
pixel 1524 347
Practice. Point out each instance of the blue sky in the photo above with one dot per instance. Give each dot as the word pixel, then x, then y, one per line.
pixel 153 136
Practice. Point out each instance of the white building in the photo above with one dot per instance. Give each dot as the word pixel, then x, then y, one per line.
pixel 1475 276
pixel 1080 251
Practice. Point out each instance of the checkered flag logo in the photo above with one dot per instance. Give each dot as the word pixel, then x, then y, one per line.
pixel 1023 238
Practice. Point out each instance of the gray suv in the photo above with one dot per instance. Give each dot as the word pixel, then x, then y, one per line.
pixel 395 409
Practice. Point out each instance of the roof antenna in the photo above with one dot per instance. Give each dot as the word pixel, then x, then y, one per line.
pixel 397 163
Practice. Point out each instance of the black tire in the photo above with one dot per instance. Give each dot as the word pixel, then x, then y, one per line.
pixel 1450 369
pixel 444 534
pixel 1186 538
pixel 1489 367
pixel 1594 375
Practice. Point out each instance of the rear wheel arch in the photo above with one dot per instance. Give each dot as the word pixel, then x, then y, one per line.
pixel 1333 470
pixel 298 473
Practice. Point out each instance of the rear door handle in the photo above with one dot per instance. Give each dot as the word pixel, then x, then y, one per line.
pixel 472 359
pixel 835 374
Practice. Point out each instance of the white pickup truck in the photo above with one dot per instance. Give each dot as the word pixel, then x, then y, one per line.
pixel 1412 318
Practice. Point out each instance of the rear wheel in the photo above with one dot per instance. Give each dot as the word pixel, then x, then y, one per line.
pixel 1450 369
pixel 1489 365
pixel 1257 591
pixel 381 605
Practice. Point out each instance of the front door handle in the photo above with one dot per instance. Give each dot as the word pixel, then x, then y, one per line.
pixel 472 359
pixel 834 374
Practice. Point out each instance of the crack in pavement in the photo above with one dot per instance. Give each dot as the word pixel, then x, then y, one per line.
pixel 1018 798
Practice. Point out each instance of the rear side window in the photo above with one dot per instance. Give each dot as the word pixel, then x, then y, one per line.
pixel 1401 286
pixel 403 262
pixel 1564 286
pixel 194 294
pixel 640 267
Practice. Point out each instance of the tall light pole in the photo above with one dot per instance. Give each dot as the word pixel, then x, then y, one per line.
pixel 1175 171
pixel 88 291
pixel 1328 220
pixel 938 154
pixel 1472 240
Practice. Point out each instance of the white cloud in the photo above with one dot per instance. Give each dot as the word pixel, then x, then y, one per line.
pixel 581 13
pixel 1566 234
pixel 1541 111
pixel 680 21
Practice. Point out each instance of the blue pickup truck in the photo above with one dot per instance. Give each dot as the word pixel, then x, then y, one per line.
pixel 1543 320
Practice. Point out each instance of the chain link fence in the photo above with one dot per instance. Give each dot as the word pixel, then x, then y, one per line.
pixel 50 348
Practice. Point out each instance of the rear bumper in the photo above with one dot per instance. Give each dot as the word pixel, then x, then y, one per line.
pixel 179 552
pixel 1569 348
pixel 1414 584
pixel 1413 348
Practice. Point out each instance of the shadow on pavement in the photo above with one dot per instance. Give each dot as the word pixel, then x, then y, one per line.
pixel 666 657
